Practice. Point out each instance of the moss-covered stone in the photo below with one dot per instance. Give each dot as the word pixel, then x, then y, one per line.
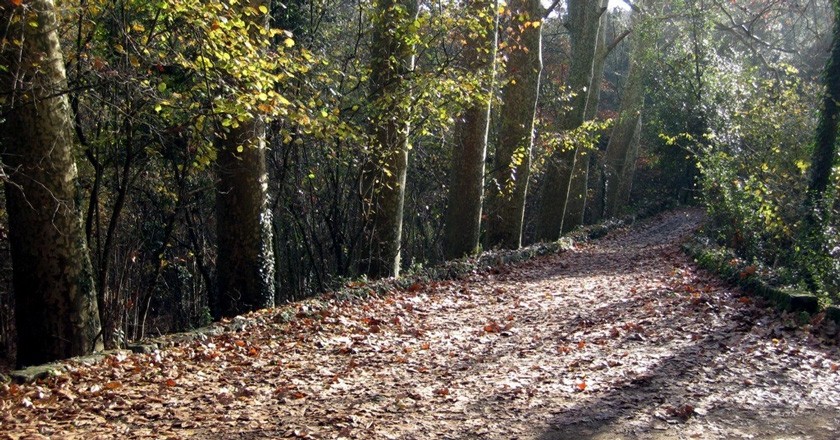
pixel 725 264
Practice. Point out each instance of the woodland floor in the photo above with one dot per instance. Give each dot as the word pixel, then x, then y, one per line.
pixel 620 338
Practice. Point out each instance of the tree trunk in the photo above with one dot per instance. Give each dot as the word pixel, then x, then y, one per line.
pixel 583 24
pixel 625 132
pixel 823 157
pixel 625 182
pixel 462 225
pixel 601 52
pixel 245 262
pixel 578 188
pixel 56 311
pixel 383 175
pixel 519 104
pixel 817 205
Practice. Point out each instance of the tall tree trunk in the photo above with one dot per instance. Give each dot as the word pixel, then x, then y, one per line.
pixel 823 157
pixel 817 204
pixel 56 311
pixel 462 224
pixel 624 137
pixel 245 262
pixel 578 187
pixel 625 182
pixel 519 104
pixel 383 175
pixel 583 24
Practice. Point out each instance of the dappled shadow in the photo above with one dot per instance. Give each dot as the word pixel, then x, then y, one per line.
pixel 661 394
pixel 666 396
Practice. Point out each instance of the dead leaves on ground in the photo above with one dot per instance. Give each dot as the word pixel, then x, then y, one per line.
pixel 624 331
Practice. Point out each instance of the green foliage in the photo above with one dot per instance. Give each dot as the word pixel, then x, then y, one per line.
pixel 754 172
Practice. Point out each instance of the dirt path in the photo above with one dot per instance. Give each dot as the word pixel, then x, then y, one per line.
pixel 620 338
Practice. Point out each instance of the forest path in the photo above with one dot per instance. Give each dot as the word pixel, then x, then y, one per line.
pixel 622 337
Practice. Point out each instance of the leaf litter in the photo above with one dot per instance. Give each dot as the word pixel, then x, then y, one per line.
pixel 617 338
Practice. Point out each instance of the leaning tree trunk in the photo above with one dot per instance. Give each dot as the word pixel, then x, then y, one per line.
pixel 245 263
pixel 55 300
pixel 583 24
pixel 462 224
pixel 384 173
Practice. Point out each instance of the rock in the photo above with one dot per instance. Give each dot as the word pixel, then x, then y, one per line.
pixel 31 374
pixel 804 302
pixel 144 348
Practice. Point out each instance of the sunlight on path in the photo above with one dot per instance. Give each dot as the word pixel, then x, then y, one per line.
pixel 619 338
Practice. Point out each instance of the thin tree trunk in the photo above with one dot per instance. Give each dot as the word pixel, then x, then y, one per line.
pixel 383 175
pixel 519 103
pixel 583 24
pixel 576 197
pixel 601 52
pixel 245 263
pixel 462 224
pixel 56 311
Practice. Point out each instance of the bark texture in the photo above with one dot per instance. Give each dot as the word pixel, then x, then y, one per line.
pixel 462 224
pixel 571 164
pixel 619 159
pixel 245 264
pixel 383 176
pixel 578 187
pixel 512 164
pixel 56 311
